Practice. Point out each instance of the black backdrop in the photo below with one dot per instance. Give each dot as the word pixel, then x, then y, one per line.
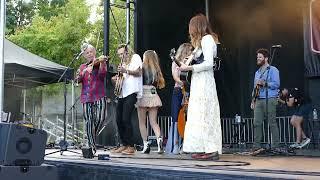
pixel 243 27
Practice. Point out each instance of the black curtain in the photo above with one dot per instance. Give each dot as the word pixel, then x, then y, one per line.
pixel 162 25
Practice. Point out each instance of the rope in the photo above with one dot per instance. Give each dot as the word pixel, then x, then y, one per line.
pixel 115 22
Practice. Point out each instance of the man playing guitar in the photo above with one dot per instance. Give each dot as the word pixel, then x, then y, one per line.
pixel 266 83
pixel 131 70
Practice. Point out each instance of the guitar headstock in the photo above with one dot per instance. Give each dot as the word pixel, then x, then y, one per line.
pixel 172 53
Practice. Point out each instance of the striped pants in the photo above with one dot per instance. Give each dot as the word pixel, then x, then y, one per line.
pixel 94 114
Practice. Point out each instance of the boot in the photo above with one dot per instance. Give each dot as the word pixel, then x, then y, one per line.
pixel 160 145
pixel 146 147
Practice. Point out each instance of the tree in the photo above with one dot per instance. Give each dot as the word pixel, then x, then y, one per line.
pixel 49 8
pixel 117 30
pixel 57 38
pixel 19 13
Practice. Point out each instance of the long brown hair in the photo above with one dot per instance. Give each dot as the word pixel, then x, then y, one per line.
pixel 184 51
pixel 199 27
pixel 151 62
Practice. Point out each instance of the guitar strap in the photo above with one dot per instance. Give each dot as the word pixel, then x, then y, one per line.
pixel 261 75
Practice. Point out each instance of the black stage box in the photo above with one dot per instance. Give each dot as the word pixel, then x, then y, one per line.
pixel 45 171
pixel 21 146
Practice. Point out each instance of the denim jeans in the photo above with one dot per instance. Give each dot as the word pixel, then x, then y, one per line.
pixel 174 140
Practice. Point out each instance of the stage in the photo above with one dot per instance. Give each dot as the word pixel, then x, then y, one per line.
pixel 154 166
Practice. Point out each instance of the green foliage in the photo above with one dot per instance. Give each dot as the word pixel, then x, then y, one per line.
pixel 58 38
pixel 48 9
pixel 117 30
pixel 18 14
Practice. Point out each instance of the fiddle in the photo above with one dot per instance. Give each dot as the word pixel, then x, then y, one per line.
pixel 93 64
pixel 98 60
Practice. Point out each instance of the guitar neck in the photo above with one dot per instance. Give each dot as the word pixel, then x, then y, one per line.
pixel 187 62
pixel 177 62
pixel 190 58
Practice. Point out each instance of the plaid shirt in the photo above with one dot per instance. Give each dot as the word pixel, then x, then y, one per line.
pixel 92 83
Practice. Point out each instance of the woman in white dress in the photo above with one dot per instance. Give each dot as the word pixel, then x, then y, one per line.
pixel 202 136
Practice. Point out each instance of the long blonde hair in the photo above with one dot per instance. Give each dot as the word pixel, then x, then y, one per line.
pixel 151 62
pixel 183 51
pixel 199 27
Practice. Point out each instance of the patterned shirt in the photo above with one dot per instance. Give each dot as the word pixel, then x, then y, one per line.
pixel 92 83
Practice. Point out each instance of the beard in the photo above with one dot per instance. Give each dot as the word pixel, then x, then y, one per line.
pixel 261 63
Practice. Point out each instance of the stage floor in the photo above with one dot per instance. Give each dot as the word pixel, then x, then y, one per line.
pixel 228 166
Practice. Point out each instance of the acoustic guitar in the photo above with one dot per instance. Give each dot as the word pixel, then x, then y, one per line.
pixel 256 92
pixel 185 76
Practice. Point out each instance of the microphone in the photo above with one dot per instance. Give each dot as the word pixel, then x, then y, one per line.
pixel 79 55
pixel 277 46
pixel 84 46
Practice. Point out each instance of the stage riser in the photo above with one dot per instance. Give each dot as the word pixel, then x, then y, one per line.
pixel 72 171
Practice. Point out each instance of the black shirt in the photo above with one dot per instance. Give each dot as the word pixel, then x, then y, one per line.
pixel 148 77
pixel 298 96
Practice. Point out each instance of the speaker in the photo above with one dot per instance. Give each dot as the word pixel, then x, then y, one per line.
pixel 21 146
pixel 47 172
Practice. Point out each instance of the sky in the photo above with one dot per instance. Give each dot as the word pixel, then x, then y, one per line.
pixel 93 4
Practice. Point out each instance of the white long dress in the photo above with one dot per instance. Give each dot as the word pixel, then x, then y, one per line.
pixel 203 127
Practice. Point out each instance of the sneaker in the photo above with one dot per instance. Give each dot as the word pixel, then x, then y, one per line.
pixel 119 149
pixel 129 151
pixel 304 142
pixel 295 145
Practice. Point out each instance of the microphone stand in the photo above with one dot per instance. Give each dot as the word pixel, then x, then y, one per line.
pixel 267 100
pixel 68 67
pixel 63 143
pixel 267 109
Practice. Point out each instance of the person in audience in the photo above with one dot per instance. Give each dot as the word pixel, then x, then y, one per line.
pixel 302 104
